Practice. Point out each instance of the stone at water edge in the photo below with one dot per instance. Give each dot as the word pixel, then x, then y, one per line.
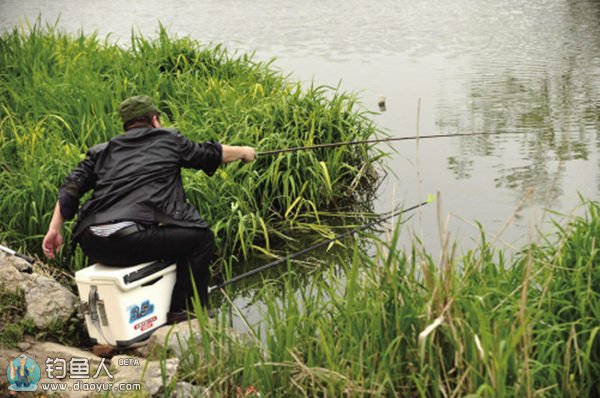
pixel 54 350
pixel 48 300
pixel 177 338
pixel 11 279
pixel 185 389
pixel 128 369
pixel 45 298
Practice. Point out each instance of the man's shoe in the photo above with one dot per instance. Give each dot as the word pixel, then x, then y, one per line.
pixel 176 317
pixel 181 316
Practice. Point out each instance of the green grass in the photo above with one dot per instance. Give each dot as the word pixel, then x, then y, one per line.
pixel 12 310
pixel 59 97
pixel 399 324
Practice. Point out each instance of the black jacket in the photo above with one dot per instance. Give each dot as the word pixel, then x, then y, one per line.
pixel 136 176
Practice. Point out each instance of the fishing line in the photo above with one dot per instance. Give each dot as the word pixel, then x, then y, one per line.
pixel 313 247
pixel 389 139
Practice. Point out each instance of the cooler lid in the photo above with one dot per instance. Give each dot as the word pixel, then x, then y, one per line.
pixel 121 275
pixel 143 272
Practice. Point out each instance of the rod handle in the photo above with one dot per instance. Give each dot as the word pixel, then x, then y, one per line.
pixel 30 260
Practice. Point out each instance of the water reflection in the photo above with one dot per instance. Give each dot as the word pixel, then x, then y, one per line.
pixel 553 110
pixel 292 278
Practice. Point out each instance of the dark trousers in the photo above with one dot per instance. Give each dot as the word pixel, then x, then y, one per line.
pixel 191 248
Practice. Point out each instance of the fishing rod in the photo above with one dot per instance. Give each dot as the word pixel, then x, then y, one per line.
pixel 388 139
pixel 11 252
pixel 315 246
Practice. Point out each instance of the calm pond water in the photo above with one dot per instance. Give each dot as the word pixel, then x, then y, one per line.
pixel 473 65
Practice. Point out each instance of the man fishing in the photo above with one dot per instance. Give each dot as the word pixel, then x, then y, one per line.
pixel 138 210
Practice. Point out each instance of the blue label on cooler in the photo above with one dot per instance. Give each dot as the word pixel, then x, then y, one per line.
pixel 139 311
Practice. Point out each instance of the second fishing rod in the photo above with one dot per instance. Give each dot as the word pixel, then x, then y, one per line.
pixel 292 256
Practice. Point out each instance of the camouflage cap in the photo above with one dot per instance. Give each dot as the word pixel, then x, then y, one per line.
pixel 136 106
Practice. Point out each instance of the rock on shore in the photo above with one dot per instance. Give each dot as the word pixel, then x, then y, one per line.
pixel 46 299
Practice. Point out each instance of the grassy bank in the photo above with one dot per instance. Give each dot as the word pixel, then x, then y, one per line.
pixel 59 97
pixel 407 325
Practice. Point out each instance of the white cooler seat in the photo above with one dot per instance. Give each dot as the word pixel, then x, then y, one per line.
pixel 124 305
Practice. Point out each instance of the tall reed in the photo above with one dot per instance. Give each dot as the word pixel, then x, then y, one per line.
pixel 377 326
